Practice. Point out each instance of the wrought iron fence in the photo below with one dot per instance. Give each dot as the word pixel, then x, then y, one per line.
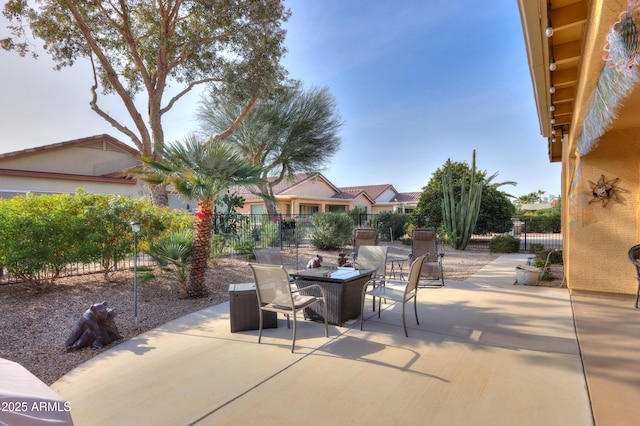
pixel 79 269
pixel 289 232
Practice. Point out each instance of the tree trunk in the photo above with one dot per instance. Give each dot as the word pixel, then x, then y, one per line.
pixel 159 196
pixel 201 248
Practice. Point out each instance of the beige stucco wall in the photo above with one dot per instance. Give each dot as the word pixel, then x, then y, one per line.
pixel 54 186
pixel 92 160
pixel 312 188
pixel 598 238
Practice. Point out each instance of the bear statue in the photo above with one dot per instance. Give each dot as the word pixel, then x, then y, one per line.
pixel 96 328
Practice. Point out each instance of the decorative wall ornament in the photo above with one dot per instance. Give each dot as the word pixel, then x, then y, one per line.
pixel 617 78
pixel 604 191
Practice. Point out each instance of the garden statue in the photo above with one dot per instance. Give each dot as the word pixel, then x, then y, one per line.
pixel 96 328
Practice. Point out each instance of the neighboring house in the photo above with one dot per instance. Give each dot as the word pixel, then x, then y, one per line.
pixel 310 193
pixel 584 77
pixel 306 194
pixel 386 198
pixel 96 164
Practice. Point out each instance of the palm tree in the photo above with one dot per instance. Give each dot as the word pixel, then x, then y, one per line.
pixel 201 171
pixel 294 132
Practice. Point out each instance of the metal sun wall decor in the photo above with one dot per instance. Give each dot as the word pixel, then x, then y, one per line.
pixel 604 191
pixel 617 79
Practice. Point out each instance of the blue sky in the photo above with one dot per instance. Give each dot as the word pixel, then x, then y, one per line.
pixel 416 82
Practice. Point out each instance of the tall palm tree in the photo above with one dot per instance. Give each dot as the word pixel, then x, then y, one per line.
pixel 200 171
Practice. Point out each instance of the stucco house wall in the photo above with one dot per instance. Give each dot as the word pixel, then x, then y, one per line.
pixel 599 237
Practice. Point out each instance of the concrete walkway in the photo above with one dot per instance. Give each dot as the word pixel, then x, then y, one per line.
pixel 486 352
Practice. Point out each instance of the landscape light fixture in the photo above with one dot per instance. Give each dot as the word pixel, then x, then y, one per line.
pixel 135 227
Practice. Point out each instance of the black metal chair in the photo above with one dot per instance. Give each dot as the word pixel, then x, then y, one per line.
pixel 634 257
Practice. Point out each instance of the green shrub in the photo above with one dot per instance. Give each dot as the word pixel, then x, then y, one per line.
pixel 389 222
pixel 218 244
pixel 244 245
pixel 504 244
pixel 40 235
pixel 555 256
pixel 536 248
pixel 269 234
pixel 332 230
pixel 172 253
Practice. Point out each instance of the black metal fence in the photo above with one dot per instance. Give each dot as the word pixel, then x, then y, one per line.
pixel 534 234
pixel 264 231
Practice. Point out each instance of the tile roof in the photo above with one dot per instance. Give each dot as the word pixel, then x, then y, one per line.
pixel 67 144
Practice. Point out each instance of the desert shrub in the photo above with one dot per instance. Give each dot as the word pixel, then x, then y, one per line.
pixel 172 252
pixel 332 230
pixel 41 235
pixel 555 256
pixel 504 244
pixel 536 248
pixel 218 244
pixel 269 234
pixel 244 245
pixel 389 222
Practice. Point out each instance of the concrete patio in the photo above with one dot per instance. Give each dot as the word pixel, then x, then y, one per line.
pixel 486 352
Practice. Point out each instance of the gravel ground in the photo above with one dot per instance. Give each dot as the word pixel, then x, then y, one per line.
pixel 35 325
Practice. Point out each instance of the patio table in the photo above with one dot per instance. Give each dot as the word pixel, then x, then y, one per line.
pixel 397 266
pixel 343 289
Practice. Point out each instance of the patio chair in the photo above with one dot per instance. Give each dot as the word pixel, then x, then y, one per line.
pixel 269 256
pixel 372 257
pixel 276 295
pixel 362 237
pixel 397 290
pixel 634 257
pixel 425 241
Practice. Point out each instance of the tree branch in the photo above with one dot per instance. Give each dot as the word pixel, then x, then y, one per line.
pixel 107 117
pixel 239 120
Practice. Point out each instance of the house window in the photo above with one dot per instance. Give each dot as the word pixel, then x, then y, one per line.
pixel 308 210
pixel 257 210
pixel 337 208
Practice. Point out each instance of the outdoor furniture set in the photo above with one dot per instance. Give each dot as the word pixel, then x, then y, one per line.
pixel 329 295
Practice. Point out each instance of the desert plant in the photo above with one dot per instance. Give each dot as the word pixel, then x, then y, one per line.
pixel 391 224
pixel 504 244
pixel 244 245
pixel 173 253
pixel 460 211
pixel 332 230
pixel 218 244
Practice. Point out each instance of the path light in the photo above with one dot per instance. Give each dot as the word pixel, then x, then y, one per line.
pixel 135 227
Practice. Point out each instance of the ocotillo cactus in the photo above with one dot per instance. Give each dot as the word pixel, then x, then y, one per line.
pixel 460 215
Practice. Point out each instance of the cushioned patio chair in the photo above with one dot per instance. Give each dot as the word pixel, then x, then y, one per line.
pixel 276 295
pixel 634 257
pixel 425 241
pixel 269 256
pixel 397 290
pixel 363 237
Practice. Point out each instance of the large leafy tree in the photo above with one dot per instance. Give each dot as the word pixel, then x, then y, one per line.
pixel 496 209
pixel 202 171
pixel 295 131
pixel 142 47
